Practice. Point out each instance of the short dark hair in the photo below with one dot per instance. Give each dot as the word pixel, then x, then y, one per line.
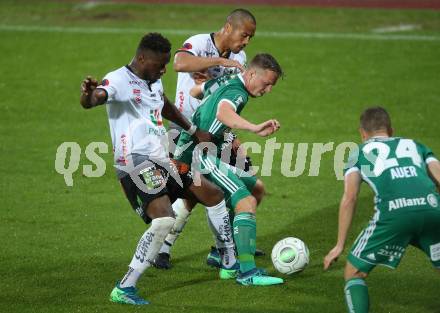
pixel 239 15
pixel 266 61
pixel 374 119
pixel 154 42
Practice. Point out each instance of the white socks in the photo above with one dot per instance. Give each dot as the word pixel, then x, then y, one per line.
pixel 182 215
pixel 218 220
pixel 147 249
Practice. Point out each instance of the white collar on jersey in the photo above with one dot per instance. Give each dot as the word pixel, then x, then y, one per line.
pixel 241 77
pixel 147 82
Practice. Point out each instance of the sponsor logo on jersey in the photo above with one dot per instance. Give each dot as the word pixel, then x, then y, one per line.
pixel 135 82
pixel 393 252
pixel 105 82
pixel 432 200
pixel 124 150
pixel 405 202
pixel 156 117
pixel 181 99
pixel 137 96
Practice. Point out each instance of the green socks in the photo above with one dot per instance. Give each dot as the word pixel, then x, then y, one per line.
pixel 356 296
pixel 245 234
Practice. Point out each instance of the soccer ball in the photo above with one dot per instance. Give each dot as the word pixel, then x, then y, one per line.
pixel 290 255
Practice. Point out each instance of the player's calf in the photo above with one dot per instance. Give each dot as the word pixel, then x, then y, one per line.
pixel 146 251
pixel 356 290
pixel 245 232
pixel 181 212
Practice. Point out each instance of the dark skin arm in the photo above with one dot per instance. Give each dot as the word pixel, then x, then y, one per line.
pixel 171 113
pixel 90 96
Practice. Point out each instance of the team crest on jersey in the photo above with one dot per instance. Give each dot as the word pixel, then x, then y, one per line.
pixel 105 82
pixel 432 200
pixel 187 46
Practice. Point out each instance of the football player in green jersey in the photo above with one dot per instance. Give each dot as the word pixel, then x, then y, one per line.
pixel 405 177
pixel 224 99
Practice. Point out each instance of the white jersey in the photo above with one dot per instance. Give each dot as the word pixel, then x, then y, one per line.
pixel 134 109
pixel 201 45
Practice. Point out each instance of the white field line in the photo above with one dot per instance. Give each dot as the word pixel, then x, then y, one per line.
pixel 307 35
pixel 396 28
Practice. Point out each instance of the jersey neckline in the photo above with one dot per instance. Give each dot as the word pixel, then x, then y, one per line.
pixel 218 51
pixel 147 82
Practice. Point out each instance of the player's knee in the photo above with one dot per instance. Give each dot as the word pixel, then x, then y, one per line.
pixel 259 191
pixel 352 272
pixel 208 193
pixel 189 204
pixel 160 207
pixel 163 225
pixel 248 204
pixel 213 193
pixel 217 195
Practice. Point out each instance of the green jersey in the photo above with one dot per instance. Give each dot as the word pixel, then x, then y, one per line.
pixel 228 88
pixel 395 168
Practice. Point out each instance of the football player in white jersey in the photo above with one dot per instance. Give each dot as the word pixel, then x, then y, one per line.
pixel 135 103
pixel 207 56
pixel 203 57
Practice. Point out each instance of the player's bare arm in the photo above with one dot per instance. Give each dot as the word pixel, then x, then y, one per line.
pixel 201 77
pixel 171 113
pixel 90 95
pixel 186 62
pixel 197 91
pixel 434 172
pixel 230 118
pixel 347 208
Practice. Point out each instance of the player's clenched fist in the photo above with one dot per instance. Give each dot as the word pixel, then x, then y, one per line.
pixel 89 98
pixel 88 85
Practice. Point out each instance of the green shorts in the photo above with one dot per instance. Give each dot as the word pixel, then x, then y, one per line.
pixel 385 240
pixel 235 183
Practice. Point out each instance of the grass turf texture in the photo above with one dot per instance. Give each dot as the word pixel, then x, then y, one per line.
pixel 64 247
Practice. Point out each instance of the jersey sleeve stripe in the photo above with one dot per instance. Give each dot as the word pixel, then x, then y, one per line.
pixel 430 159
pixel 183 51
pixel 214 126
pixel 351 170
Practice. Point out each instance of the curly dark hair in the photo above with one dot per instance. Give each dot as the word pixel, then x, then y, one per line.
pixel 266 61
pixel 154 42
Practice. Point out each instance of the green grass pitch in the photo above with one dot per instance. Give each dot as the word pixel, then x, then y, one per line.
pixel 64 247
